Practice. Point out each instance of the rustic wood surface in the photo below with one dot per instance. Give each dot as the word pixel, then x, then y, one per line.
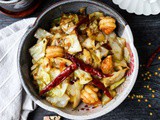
pixel 146 31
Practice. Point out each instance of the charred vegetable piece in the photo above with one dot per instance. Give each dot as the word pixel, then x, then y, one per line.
pixel 61 77
pixel 86 67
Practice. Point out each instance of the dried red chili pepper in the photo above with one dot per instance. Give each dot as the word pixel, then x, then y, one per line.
pixel 86 67
pixel 102 87
pixel 82 21
pixel 152 57
pixel 60 78
pixel 107 46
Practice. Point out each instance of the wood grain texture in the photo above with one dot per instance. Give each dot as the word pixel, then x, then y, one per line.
pixel 145 30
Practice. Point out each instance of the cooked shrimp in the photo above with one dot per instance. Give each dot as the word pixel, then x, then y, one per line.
pixel 107 65
pixel 89 95
pixel 107 24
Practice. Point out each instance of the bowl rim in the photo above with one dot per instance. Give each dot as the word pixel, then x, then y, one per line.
pixel 56 110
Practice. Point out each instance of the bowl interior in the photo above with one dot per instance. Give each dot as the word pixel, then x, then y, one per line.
pixel 44 21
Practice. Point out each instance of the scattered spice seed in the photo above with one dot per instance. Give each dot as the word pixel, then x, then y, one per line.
pixel 150 113
pixel 158 69
pixel 149 106
pixel 153 91
pixel 147 86
pixel 153 95
pixel 149 43
pixel 146 100
pixel 140 65
pixel 150 89
pixel 148 78
pixel 158 57
pixel 155 73
pixel 139 100
pixel 150 75
pixel 142 75
pixel 144 79
pixel 144 86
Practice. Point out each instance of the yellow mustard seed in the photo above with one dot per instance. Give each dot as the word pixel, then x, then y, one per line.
pixel 158 69
pixel 149 106
pixel 150 89
pixel 153 95
pixel 149 43
pixel 144 79
pixel 155 73
pixel 144 86
pixel 150 113
pixel 139 100
pixel 146 100
pixel 148 78
pixel 147 86
pixel 150 75
pixel 132 97
pixel 158 57
pixel 153 91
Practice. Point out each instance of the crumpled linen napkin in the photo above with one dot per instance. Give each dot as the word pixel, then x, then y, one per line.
pixel 14 103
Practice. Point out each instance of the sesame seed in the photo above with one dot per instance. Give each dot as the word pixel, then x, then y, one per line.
pixel 148 72
pixel 150 113
pixel 150 89
pixel 153 95
pixel 149 43
pixel 132 97
pixel 148 78
pixel 155 73
pixel 142 75
pixel 139 100
pixel 149 106
pixel 146 100
pixel 147 86
pixel 159 58
pixel 144 86
pixel 159 69
pixel 150 75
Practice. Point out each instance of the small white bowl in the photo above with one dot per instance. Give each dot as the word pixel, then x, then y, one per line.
pixel 140 7
pixel 24 59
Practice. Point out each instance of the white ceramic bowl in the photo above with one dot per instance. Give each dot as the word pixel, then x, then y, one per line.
pixel 140 7
pixel 24 59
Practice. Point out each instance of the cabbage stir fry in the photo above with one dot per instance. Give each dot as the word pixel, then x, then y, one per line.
pixel 80 59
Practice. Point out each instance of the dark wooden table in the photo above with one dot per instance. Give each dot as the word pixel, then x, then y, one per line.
pixel 146 31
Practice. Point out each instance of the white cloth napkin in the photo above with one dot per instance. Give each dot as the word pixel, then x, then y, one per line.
pixel 14 103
